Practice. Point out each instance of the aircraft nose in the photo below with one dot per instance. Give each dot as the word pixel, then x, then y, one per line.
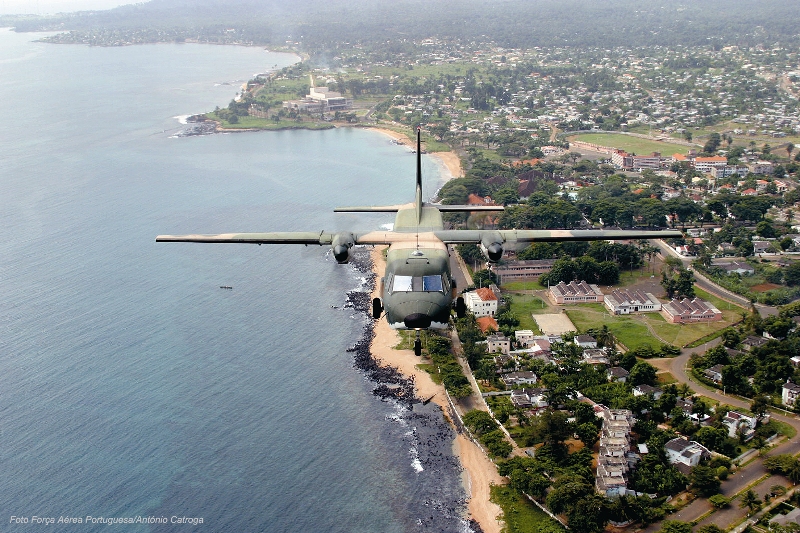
pixel 417 321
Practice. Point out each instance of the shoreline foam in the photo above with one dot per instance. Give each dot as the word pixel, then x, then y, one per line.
pixel 480 472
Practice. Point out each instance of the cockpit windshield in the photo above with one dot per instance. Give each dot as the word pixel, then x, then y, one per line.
pixel 417 284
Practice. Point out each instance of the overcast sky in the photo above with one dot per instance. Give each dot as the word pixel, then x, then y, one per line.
pixel 43 7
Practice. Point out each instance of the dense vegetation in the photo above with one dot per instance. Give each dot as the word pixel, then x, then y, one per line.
pixel 324 26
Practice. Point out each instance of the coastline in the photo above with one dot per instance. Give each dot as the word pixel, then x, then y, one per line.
pixel 449 159
pixel 479 471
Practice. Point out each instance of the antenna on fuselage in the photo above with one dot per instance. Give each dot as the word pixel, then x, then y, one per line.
pixel 419 178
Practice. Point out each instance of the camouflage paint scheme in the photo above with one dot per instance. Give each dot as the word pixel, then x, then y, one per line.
pixel 418 252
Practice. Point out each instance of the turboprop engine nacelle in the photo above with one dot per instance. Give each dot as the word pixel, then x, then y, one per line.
pixel 340 246
pixel 492 247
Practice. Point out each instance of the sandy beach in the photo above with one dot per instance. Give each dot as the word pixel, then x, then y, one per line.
pixel 449 159
pixel 479 471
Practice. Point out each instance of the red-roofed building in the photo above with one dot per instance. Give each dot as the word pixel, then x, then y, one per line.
pixel 481 302
pixel 487 323
pixel 695 310
pixel 474 199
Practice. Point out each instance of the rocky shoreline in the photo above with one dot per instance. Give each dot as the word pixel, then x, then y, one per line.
pixel 389 382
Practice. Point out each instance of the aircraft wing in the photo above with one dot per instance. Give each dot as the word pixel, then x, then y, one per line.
pixel 278 237
pixel 543 235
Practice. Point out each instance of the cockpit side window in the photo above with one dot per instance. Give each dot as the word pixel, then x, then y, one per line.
pixel 402 284
pixel 417 284
pixel 432 283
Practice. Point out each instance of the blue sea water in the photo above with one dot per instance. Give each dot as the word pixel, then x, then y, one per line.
pixel 130 383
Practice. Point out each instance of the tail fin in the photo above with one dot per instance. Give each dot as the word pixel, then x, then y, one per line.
pixel 418 199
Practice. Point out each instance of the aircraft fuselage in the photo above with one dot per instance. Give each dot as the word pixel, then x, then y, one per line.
pixel 417 288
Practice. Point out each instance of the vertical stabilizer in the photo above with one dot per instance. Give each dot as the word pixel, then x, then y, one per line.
pixel 418 199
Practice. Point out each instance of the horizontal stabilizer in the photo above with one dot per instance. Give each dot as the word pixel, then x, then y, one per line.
pixel 370 209
pixel 466 208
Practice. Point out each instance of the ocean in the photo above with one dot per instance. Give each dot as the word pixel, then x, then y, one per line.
pixel 131 384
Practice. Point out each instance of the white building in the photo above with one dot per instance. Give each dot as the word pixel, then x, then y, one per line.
pixel 498 343
pixel 525 337
pixel 738 423
pixel 481 302
pixel 688 453
pixel 625 302
pixel 790 394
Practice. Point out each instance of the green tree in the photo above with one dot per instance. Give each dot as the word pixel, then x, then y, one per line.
pixel 760 405
pixel 750 500
pixel 719 501
pixel 642 373
pixel 588 434
pixel 675 526
pixel 704 480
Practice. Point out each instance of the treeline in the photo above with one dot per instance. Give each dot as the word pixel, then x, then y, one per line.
pixel 323 26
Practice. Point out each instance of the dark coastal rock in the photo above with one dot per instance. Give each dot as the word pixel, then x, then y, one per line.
pixel 202 128
pixel 391 384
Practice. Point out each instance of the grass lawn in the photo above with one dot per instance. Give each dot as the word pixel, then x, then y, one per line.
pixel 523 286
pixel 650 329
pixel 731 312
pixel 250 122
pixel 626 328
pixel 631 144
pixel 665 378
pixel 520 515
pixel 525 305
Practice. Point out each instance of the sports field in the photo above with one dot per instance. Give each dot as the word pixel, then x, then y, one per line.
pixel 631 144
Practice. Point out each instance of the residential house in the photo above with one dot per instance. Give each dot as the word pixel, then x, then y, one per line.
pixel 617 373
pixel 585 341
pixel 487 324
pixel 685 454
pixel 529 398
pixel 595 356
pixel 752 341
pixel 513 379
pixel 761 247
pixel 647 390
pixel 736 267
pixel 714 373
pixel 787 520
pixel 738 423
pixel 525 338
pixel 498 343
pixel 504 364
pixel 790 393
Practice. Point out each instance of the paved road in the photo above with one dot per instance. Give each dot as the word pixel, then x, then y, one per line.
pixel 459 270
pixel 740 479
pixel 711 287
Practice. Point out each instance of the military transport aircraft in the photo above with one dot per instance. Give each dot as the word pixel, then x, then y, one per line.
pixel 418 290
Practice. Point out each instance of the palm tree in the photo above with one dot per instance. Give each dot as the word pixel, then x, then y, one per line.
pixel 750 500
